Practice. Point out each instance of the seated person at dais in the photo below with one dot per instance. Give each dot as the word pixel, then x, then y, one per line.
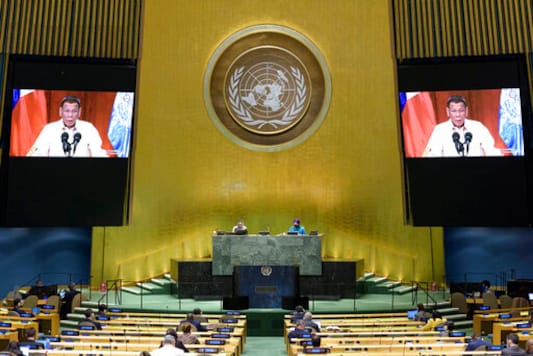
pixel 296 227
pixel 240 228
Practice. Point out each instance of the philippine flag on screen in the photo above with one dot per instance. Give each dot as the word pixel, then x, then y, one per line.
pixel 510 120
pixel 29 115
pixel 119 131
pixel 418 120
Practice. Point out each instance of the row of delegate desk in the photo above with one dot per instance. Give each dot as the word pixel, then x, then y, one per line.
pixel 13 328
pixel 125 331
pixel 387 333
pixel 501 322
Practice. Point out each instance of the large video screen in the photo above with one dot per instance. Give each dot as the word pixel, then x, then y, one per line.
pixel 462 123
pixel 59 123
pixel 466 142
pixel 67 141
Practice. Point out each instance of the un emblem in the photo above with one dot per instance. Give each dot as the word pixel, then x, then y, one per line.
pixel 267 88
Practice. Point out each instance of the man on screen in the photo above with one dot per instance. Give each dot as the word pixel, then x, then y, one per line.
pixel 459 136
pixel 69 136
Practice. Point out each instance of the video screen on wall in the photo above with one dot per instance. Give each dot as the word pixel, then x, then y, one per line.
pixel 67 141
pixel 462 123
pixel 465 129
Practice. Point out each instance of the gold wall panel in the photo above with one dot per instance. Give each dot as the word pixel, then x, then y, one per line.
pixel 344 180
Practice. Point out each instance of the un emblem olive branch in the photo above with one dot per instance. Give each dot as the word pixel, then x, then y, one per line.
pixel 290 114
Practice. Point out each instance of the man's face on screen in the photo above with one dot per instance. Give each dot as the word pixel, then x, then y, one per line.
pixel 70 112
pixel 457 112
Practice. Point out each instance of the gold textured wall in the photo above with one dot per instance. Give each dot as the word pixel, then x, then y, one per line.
pixel 188 179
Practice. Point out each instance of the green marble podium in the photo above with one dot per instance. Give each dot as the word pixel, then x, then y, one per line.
pixel 304 251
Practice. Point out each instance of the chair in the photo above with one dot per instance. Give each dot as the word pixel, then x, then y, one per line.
pixel 518 302
pixel 506 302
pixel 12 313
pixel 76 302
pixel 490 300
pixel 459 301
pixel 31 301
pixel 53 300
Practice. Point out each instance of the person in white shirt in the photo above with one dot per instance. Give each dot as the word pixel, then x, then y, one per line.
pixel 459 136
pixel 69 136
pixel 168 348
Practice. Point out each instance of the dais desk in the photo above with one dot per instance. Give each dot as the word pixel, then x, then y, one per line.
pixel 304 251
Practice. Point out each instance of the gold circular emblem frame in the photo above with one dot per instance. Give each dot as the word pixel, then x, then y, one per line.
pixel 267 88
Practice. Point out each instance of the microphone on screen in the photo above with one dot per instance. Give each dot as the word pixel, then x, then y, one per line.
pixel 66 145
pixel 468 139
pixel 77 138
pixel 458 145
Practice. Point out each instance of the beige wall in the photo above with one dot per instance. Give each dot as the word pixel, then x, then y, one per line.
pixel 188 179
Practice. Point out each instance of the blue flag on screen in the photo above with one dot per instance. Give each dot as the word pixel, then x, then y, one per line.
pixel 510 120
pixel 119 131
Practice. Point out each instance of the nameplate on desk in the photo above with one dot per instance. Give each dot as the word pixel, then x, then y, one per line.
pixel 523 325
pixel 215 342
pixel 52 338
pixel 505 316
pixel 115 310
pixel 102 317
pixel 5 325
pixel 317 350
pixel 229 321
pixel 457 334
pixel 484 307
pixel 233 312
pixel 225 330
pixel 47 306
pixel 70 332
pixel 207 350
pixel 494 347
pixel 220 336
pixel 26 315
pixel 86 327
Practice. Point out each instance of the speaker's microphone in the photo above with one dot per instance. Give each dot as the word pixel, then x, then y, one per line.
pixel 77 138
pixel 66 145
pixel 468 139
pixel 458 145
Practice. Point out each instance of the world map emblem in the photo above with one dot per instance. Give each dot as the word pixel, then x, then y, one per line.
pixel 269 95
pixel 267 88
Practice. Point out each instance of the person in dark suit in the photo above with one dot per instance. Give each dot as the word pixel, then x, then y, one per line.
pixel 298 332
pixel 477 341
pixel 69 295
pixel 298 314
pixel 38 289
pixel 90 318
pixel 512 348
pixel 196 323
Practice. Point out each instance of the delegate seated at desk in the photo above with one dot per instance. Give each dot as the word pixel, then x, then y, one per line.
pixel 296 227
pixel 240 228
